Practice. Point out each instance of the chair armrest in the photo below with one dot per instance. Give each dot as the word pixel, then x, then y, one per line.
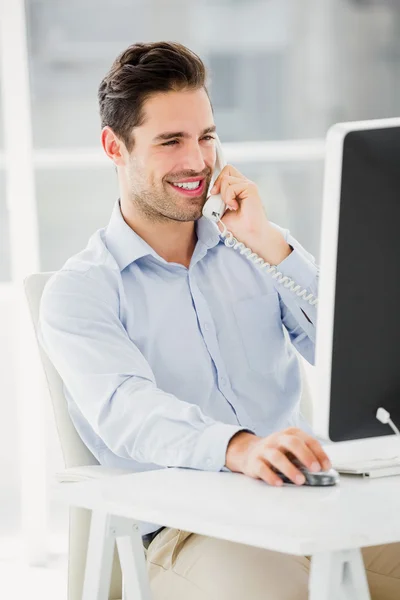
pixel 75 474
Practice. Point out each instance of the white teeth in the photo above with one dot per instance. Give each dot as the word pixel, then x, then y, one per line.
pixel 192 185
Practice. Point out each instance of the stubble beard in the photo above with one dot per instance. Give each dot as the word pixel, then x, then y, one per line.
pixel 160 206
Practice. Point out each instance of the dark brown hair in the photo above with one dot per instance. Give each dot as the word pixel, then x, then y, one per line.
pixel 140 71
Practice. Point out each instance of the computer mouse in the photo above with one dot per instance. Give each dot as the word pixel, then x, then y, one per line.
pixel 319 478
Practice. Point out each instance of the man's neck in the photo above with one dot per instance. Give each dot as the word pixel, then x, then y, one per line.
pixel 174 241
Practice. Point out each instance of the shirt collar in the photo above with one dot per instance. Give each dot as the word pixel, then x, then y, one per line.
pixel 127 246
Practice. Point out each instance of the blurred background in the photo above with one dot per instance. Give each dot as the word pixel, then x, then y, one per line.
pixel 282 72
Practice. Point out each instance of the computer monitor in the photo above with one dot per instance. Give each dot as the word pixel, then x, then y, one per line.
pixel 358 322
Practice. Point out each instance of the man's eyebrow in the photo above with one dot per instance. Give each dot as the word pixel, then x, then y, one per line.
pixel 211 129
pixel 181 134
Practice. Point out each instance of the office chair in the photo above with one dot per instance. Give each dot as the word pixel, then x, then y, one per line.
pixel 79 462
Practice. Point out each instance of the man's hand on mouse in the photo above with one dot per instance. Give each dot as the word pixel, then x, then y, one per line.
pixel 257 457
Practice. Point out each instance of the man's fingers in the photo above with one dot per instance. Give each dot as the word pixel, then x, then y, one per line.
pixel 265 473
pixel 229 195
pixel 227 171
pixel 313 445
pixel 301 451
pixel 232 179
pixel 280 461
pixel 322 457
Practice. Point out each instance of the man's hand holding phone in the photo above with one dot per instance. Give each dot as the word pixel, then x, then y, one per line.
pixel 246 217
pixel 257 457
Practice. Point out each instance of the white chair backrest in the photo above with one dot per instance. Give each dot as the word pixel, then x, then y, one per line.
pixel 74 451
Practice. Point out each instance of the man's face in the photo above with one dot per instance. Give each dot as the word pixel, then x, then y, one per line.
pixel 173 150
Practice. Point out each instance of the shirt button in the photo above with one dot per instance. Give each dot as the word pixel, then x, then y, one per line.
pixel 209 462
pixel 207 326
pixel 223 381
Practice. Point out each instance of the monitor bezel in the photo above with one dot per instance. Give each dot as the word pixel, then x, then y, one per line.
pixel 328 260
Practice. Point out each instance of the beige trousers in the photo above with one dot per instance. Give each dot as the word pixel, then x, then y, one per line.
pixel 187 566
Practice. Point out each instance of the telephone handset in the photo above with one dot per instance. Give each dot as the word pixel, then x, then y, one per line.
pixel 214 209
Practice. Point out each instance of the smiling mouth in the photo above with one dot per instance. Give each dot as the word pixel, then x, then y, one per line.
pixel 190 188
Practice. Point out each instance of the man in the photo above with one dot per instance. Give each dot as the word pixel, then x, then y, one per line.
pixel 171 345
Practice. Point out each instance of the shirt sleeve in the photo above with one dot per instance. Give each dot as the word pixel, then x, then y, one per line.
pixel 113 384
pixel 298 315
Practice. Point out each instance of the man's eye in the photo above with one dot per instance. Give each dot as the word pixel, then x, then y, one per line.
pixel 207 138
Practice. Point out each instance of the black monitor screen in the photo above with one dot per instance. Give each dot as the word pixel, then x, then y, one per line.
pixel 366 335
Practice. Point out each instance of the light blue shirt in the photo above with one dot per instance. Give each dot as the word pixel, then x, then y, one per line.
pixel 161 364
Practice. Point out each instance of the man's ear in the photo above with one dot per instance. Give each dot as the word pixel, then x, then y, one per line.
pixel 113 146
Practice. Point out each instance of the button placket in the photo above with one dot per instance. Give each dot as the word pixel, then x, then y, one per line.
pixel 211 342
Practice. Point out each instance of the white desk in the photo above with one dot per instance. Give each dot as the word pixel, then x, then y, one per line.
pixel 331 524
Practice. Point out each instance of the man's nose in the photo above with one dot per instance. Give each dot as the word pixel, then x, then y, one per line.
pixel 193 159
